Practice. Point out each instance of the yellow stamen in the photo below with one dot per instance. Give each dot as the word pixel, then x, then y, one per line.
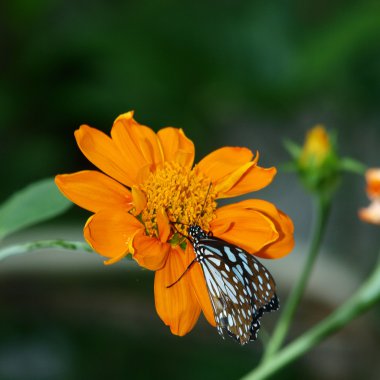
pixel 185 196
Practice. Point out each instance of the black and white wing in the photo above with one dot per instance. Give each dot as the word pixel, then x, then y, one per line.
pixel 241 289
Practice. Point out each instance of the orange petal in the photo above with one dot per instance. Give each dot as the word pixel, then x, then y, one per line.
pixel 138 144
pixel 371 214
pixel 199 285
pixel 283 225
pixel 244 226
pixel 163 225
pixel 373 183
pixel 94 191
pixel 233 172
pixel 285 243
pixel 177 306
pixel 228 182
pixel 110 231
pixel 223 161
pixel 139 199
pixel 176 146
pixel 150 252
pixel 253 179
pixel 130 250
pixel 103 153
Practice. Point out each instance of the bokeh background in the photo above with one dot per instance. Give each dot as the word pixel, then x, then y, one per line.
pixel 245 73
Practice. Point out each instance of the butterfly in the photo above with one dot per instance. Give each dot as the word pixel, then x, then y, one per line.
pixel 240 288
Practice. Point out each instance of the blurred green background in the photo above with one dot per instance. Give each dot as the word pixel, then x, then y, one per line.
pixel 229 73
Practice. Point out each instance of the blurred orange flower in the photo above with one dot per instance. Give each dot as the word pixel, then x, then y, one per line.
pixel 146 182
pixel 371 214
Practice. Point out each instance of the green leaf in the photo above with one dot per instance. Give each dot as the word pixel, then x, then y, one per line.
pixel 353 166
pixel 293 149
pixel 33 204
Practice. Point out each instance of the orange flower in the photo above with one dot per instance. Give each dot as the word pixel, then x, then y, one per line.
pixel 147 183
pixel 371 214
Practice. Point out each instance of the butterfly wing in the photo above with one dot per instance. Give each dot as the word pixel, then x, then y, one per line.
pixel 241 289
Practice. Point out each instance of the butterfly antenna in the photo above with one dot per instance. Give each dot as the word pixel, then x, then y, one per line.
pixel 187 237
pixel 186 270
pixel 176 229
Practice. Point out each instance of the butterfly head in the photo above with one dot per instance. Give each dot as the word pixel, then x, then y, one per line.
pixel 196 233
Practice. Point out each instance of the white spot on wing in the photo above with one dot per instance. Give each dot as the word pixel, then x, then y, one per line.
pixel 214 260
pixel 229 253
pixel 238 275
pixel 243 256
pixel 213 250
pixel 247 268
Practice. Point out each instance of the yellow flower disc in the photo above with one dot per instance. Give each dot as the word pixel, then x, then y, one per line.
pixel 185 196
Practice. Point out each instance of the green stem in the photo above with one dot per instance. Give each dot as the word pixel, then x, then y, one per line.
pixel 280 332
pixel 367 295
pixel 43 244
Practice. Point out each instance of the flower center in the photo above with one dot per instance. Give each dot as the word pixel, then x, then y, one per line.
pixel 184 195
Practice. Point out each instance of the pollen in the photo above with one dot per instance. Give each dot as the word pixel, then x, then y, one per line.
pixel 186 196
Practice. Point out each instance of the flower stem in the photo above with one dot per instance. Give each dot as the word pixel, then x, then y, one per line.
pixel 279 334
pixel 43 244
pixel 367 295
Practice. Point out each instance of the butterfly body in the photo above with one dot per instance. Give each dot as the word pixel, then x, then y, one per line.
pixel 241 289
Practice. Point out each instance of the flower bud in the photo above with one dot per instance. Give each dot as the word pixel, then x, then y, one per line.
pixel 318 163
pixel 316 148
